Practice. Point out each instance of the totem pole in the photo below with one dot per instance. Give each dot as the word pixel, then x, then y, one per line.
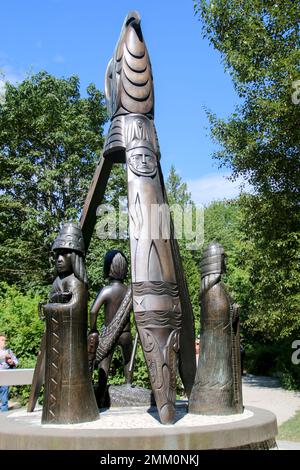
pixel 218 385
pixel 69 397
pixel 161 304
pixel 116 330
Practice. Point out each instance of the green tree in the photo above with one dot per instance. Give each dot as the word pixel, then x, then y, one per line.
pixel 259 42
pixel 179 196
pixel 50 140
pixel 223 223
pixel 115 198
pixel 177 190
pixel 20 322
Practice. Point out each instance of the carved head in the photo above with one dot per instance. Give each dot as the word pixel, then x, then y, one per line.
pixel 68 249
pixel 115 265
pixel 128 78
pixel 141 158
pixel 213 260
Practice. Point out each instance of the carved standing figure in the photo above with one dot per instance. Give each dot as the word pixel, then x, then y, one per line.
pixel 218 386
pixel 116 330
pixel 69 396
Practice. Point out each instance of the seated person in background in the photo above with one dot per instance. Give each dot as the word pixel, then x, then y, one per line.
pixel 7 361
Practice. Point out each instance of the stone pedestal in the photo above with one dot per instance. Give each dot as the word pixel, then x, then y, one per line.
pixel 139 428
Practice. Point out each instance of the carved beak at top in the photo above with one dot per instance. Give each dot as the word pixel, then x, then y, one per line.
pixel 132 17
pixel 133 20
pixel 128 80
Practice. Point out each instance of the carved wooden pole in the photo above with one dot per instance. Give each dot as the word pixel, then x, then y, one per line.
pixel 161 303
pixel 132 139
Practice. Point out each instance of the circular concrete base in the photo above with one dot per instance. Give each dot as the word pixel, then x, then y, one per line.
pixel 139 428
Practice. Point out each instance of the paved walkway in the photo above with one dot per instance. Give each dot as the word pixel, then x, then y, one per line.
pixel 265 392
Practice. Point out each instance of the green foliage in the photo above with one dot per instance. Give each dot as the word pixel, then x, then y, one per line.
pixel 178 194
pixel 273 269
pixel 273 359
pixel 141 375
pixel 223 224
pixel 116 191
pixel 50 140
pixel 259 42
pixel 269 317
pixel 177 189
pixel 20 322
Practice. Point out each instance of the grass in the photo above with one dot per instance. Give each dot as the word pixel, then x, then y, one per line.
pixel 290 430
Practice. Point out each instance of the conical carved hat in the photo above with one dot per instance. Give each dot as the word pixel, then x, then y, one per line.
pixel 69 238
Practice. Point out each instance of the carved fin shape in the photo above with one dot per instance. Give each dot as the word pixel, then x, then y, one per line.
pixel 136 217
pixel 155 271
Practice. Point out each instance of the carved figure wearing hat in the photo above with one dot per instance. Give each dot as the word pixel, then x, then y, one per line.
pixel 69 396
pixel 218 388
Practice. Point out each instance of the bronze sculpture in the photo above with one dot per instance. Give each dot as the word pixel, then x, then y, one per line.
pixel 218 385
pixel 116 329
pixel 156 301
pixel 159 287
pixel 69 396
pixel 159 295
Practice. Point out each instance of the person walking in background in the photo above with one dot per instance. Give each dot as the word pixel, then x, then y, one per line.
pixel 243 353
pixel 197 348
pixel 7 361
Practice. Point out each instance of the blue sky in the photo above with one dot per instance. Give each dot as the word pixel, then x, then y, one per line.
pixel 66 37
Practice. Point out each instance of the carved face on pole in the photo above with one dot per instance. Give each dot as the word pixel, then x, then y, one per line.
pixel 142 159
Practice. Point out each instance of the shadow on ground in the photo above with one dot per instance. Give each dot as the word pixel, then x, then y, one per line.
pixel 261 381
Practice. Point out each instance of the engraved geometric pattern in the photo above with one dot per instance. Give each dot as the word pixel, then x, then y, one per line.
pixel 54 368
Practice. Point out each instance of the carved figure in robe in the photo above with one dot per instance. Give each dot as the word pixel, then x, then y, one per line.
pixel 69 396
pixel 218 386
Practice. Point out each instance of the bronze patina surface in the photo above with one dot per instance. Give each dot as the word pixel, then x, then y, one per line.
pixel 159 289
pixel 117 301
pixel 218 384
pixel 69 396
